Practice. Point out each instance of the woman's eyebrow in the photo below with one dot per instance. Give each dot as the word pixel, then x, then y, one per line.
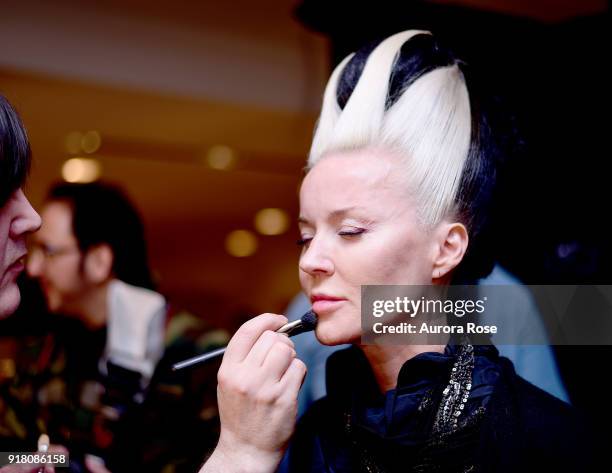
pixel 343 211
pixel 334 213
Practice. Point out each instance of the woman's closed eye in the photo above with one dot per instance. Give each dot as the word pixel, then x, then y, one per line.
pixel 351 232
pixel 303 241
pixel 347 232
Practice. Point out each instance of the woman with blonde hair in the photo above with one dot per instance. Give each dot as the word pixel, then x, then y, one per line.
pixel 401 178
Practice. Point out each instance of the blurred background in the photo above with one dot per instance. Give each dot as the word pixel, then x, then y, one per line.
pixel 203 111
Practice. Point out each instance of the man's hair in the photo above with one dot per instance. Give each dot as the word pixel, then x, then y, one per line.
pixel 102 214
pixel 411 95
pixel 15 153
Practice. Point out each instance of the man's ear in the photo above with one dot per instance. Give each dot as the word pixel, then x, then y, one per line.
pixel 98 263
pixel 451 244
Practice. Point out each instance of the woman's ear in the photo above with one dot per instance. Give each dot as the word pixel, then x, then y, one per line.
pixel 451 244
pixel 98 263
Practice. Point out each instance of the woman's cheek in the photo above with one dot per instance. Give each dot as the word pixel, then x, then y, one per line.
pixel 381 264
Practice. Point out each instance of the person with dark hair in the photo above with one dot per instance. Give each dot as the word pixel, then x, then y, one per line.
pixel 102 214
pixel 17 217
pixel 96 226
pixel 17 220
pixel 90 259
pixel 405 164
pixel 117 338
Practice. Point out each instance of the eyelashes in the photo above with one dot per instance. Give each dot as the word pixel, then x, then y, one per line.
pixel 349 234
pixel 302 241
pixel 357 231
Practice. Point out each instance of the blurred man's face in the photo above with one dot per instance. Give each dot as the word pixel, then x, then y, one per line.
pixel 17 220
pixel 55 259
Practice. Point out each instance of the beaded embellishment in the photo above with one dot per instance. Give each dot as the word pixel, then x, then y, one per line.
pixel 456 393
pixel 452 404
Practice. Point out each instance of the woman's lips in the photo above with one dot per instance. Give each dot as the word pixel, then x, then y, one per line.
pixel 322 304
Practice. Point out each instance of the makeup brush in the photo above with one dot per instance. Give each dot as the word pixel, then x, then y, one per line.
pixel 306 323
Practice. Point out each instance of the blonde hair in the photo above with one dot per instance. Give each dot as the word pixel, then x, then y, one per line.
pixel 423 117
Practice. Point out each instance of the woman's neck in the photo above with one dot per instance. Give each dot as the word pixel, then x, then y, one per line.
pixel 387 360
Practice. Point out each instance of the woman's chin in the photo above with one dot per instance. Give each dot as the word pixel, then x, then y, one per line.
pixel 330 335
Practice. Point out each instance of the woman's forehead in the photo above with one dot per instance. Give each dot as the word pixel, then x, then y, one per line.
pixel 355 180
pixel 365 167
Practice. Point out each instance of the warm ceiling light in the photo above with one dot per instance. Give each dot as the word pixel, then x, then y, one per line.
pixel 91 141
pixel 271 221
pixel 81 170
pixel 221 157
pixel 73 142
pixel 241 243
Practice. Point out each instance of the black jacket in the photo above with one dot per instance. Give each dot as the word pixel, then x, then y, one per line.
pixel 523 428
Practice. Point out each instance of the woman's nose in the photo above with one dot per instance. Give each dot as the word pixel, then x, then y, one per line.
pixel 315 259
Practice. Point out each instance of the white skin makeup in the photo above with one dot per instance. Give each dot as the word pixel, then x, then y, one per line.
pixel 359 225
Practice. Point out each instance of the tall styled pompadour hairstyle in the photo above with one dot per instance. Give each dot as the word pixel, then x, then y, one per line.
pixel 410 95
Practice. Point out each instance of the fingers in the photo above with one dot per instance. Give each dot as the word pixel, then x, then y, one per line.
pixel 264 344
pixel 277 361
pixel 292 380
pixel 269 357
pixel 247 335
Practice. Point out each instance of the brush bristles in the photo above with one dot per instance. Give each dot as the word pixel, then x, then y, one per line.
pixel 309 321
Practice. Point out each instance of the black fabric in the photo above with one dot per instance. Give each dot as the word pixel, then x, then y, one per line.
pixel 352 72
pixel 418 56
pixel 523 428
